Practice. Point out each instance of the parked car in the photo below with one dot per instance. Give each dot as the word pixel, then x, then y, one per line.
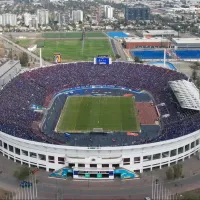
pixel 25 184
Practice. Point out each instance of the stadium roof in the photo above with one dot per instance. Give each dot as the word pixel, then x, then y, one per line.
pixel 140 39
pixel 7 66
pixel 186 93
pixel 186 40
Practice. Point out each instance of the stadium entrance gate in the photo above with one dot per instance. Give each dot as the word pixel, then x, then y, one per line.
pixel 83 173
pixel 92 173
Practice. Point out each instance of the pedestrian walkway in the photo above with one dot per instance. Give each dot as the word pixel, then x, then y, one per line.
pixel 191 180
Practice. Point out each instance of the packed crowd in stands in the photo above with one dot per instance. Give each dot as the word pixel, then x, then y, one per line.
pixel 32 87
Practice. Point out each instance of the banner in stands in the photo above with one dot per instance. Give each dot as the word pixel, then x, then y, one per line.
pixel 36 107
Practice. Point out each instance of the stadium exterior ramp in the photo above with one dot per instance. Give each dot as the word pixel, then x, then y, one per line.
pixel 135 158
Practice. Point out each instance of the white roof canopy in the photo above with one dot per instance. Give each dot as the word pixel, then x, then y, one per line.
pixel 186 93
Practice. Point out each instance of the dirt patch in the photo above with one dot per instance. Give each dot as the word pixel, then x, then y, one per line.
pixel 3 194
pixel 193 194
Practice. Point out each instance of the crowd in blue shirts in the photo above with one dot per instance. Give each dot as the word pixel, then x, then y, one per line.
pixel 32 87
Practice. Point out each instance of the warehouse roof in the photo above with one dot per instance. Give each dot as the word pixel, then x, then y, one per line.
pixel 159 32
pixel 186 93
pixel 186 40
pixel 140 39
pixel 4 68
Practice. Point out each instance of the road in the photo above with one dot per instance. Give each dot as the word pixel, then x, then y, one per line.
pixel 34 56
pixel 120 51
pixel 105 190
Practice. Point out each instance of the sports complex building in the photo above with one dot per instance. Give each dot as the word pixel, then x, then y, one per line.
pixel 124 119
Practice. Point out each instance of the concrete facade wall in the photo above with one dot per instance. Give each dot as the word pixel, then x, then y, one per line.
pixel 137 158
pixel 132 45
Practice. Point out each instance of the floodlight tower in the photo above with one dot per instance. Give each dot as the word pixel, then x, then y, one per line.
pixel 164 57
pixel 40 46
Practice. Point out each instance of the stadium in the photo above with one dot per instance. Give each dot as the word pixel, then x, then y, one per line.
pixel 93 121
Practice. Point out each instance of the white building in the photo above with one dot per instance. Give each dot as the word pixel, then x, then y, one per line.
pixel 9 19
pixel 30 20
pixel 43 16
pixel 137 158
pixel 186 43
pixel 1 20
pixel 8 71
pixel 27 18
pixel 77 15
pixel 109 12
pixel 157 33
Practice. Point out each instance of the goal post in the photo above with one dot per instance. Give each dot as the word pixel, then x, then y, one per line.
pixel 98 130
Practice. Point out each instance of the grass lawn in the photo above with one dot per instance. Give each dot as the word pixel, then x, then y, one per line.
pixel 26 42
pixel 71 50
pixel 72 34
pixel 62 35
pixel 83 114
pixel 95 34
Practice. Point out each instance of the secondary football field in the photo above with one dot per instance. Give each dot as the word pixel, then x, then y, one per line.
pixel 86 113
pixel 71 50
pixel 75 35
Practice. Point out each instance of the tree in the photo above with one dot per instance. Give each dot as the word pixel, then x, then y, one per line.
pixel 198 83
pixel 22 173
pixel 10 54
pixel 174 172
pixel 137 60
pixel 24 59
pixel 117 56
pixel 194 75
pixel 195 66
pixel 178 170
pixel 170 174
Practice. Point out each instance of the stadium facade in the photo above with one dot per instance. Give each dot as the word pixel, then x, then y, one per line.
pixel 177 139
pixel 138 158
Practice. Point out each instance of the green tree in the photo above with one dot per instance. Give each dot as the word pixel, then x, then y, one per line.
pixel 10 54
pixel 117 56
pixel 198 83
pixel 24 59
pixel 137 60
pixel 194 74
pixel 22 173
pixel 170 174
pixel 178 171
pixel 195 66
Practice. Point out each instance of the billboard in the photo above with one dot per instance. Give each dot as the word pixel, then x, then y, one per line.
pixel 57 58
pixel 102 61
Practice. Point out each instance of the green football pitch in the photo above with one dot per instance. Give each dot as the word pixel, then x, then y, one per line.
pixel 86 113
pixel 71 50
pixel 70 35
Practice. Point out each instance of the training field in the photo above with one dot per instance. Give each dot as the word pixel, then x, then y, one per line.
pixel 85 113
pixel 74 35
pixel 72 50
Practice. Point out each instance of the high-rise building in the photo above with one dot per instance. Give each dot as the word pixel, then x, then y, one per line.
pixel 43 16
pixel 33 23
pixel 30 20
pixel 77 15
pixel 137 12
pixel 109 12
pixel 9 19
pixel 27 18
pixel 1 20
